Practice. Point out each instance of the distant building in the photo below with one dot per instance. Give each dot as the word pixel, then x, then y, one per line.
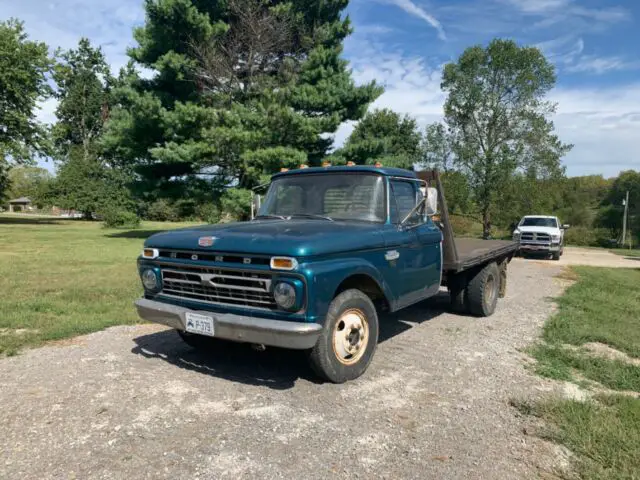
pixel 21 204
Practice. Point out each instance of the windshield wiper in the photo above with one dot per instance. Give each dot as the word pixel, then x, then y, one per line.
pixel 311 215
pixel 279 217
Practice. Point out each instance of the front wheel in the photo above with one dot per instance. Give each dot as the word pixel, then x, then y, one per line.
pixel 349 338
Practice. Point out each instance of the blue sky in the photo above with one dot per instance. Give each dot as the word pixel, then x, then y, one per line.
pixel 404 43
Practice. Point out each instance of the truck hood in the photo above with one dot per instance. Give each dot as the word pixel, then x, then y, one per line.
pixel 295 238
pixel 547 230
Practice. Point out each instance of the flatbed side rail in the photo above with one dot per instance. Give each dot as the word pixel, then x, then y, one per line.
pixel 449 249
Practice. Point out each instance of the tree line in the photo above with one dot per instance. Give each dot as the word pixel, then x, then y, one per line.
pixel 219 95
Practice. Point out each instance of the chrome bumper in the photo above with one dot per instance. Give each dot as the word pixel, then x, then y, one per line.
pixel 529 247
pixel 238 328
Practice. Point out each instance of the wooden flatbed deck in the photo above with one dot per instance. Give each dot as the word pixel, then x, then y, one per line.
pixel 474 251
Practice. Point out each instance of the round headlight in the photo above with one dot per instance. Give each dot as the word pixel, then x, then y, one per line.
pixel 284 295
pixel 149 279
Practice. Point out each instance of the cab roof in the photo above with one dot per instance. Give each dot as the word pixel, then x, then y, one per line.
pixel 387 171
pixel 539 216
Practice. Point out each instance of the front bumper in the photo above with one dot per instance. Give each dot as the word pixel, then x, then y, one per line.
pixel 238 328
pixel 527 247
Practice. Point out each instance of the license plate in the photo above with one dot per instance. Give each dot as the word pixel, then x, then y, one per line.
pixel 201 324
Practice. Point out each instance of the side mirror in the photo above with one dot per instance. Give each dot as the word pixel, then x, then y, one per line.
pixel 566 226
pixel 256 202
pixel 431 202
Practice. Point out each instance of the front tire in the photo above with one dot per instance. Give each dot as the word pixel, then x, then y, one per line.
pixel 483 291
pixel 349 338
pixel 556 255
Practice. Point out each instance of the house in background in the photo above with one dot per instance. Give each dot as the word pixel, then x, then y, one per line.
pixel 22 204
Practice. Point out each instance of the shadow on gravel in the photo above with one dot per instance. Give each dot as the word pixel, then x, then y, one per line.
pixel 393 324
pixel 275 367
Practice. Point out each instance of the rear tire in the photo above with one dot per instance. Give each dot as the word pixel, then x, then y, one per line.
pixel 483 291
pixel 348 340
pixel 458 294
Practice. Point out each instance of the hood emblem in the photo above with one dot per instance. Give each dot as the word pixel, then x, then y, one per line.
pixel 206 241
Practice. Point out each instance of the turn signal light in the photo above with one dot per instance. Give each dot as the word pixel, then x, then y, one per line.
pixel 351 164
pixel 284 263
pixel 378 164
pixel 284 169
pixel 304 166
pixel 150 253
pixel 326 164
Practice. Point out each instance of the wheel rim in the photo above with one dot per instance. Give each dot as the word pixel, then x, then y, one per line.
pixel 350 336
pixel 489 290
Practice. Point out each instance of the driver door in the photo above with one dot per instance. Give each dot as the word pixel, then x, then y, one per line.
pixel 402 244
pixel 415 273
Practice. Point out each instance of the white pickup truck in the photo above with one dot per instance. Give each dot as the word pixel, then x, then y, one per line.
pixel 540 234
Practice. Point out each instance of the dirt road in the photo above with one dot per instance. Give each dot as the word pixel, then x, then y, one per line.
pixel 135 402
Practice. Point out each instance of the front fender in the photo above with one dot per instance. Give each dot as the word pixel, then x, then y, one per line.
pixel 324 277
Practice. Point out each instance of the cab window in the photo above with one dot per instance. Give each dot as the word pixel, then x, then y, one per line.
pixel 402 201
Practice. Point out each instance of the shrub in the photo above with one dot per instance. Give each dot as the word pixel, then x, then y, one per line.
pixel 162 211
pixel 236 203
pixel 588 237
pixel 120 219
pixel 208 212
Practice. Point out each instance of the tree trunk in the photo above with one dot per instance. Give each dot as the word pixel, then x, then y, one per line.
pixel 486 223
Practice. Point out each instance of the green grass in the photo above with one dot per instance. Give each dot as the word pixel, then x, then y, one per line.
pixel 604 432
pixel 626 252
pixel 603 306
pixel 559 363
pixel 60 278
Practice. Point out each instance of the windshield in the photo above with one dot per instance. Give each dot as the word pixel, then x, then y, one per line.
pixel 346 196
pixel 539 222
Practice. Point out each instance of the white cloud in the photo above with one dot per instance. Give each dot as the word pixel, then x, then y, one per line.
pixel 537 6
pixel 600 65
pixel 567 53
pixel 47 111
pixel 413 9
pixel 554 8
pixel 602 123
pixel 61 23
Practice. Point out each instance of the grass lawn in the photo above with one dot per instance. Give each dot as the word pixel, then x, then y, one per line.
pixel 604 432
pixel 60 278
pixel 625 252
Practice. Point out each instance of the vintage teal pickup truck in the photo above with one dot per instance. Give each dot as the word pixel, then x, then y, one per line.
pixel 329 250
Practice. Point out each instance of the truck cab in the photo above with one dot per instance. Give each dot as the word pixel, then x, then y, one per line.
pixel 328 250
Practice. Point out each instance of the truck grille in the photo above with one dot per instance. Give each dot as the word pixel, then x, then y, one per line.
pixel 535 238
pixel 219 286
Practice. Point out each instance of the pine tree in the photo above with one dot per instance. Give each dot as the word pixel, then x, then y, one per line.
pixel 240 89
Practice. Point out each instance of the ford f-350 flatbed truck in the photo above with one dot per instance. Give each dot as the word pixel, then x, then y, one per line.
pixel 330 248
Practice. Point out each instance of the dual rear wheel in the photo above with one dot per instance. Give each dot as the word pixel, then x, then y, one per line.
pixel 478 294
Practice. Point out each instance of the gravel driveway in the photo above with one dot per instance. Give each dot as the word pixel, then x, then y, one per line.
pixel 135 402
pixel 597 258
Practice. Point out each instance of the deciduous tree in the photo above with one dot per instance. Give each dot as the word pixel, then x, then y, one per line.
pixel 24 65
pixel 83 89
pixel 384 136
pixel 499 119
